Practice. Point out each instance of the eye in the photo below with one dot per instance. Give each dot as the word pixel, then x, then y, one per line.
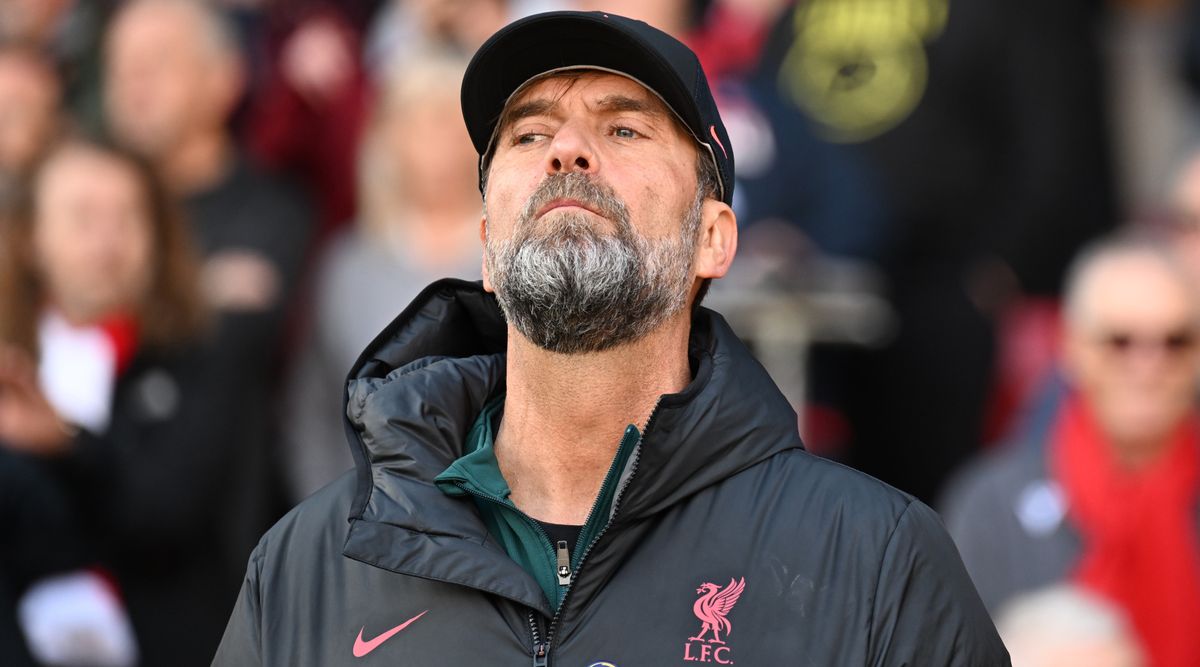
pixel 526 138
pixel 625 133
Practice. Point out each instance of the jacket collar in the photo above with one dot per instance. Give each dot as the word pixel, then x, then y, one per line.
pixel 415 391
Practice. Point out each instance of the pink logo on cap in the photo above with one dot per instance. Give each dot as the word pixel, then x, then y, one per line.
pixel 712 129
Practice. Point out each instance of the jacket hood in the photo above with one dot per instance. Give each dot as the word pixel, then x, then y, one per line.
pixel 416 390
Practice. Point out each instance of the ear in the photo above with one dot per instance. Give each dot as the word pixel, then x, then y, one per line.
pixel 718 240
pixel 487 281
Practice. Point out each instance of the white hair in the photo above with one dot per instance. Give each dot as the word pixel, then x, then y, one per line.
pixel 430 77
pixel 1058 616
pixel 1096 256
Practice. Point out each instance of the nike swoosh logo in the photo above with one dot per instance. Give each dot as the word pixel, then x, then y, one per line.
pixel 361 648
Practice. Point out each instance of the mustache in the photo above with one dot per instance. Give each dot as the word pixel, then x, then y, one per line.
pixel 582 188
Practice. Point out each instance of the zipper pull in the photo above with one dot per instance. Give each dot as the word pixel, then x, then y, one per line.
pixel 564 564
pixel 541 655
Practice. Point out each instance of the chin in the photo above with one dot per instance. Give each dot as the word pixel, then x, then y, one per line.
pixel 1145 426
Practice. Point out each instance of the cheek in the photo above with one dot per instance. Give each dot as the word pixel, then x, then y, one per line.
pixel 134 252
pixel 658 210
pixel 175 100
pixel 143 263
pixel 55 248
pixel 506 198
pixel 668 189
pixel 1184 379
pixel 159 98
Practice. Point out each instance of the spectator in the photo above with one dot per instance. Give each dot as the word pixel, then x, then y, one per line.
pixel 1107 495
pixel 419 222
pixel 1064 625
pixel 173 77
pixel 108 376
pixel 29 98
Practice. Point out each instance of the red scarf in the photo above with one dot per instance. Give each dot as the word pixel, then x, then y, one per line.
pixel 1139 529
pixel 122 332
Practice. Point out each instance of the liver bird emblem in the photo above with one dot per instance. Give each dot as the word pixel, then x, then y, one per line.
pixel 714 605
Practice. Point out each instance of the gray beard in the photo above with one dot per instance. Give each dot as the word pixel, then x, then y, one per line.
pixel 570 287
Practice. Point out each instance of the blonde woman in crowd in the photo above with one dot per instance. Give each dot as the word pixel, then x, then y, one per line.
pixel 419 221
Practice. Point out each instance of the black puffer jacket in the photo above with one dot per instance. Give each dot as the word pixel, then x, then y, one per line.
pixel 835 568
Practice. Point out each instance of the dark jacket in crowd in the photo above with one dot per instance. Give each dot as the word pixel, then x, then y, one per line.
pixel 38 539
pixel 726 542
pixel 249 210
pixel 166 497
pixel 1009 518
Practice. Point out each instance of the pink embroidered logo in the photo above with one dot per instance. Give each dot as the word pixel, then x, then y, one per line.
pixel 712 608
pixel 362 648
pixel 712 129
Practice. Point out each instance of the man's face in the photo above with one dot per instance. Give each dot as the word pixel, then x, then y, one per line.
pixel 1132 347
pixel 164 79
pixel 592 213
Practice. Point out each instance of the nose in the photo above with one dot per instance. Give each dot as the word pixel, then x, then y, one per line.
pixel 1147 359
pixel 571 150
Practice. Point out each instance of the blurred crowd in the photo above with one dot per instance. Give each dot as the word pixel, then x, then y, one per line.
pixel 970 255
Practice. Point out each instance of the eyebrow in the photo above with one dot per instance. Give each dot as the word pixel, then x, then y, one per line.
pixel 526 109
pixel 609 103
pixel 626 103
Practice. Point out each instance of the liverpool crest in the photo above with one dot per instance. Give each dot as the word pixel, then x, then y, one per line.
pixel 712 609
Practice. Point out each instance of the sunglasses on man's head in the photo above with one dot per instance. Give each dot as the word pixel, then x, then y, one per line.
pixel 1174 342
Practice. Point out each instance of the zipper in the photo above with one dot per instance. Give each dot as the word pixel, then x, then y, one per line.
pixel 616 506
pixel 564 564
pixel 541 652
pixel 541 649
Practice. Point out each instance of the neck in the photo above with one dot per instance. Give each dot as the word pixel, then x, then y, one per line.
pixel 1134 455
pixel 198 163
pixel 564 415
pixel 83 314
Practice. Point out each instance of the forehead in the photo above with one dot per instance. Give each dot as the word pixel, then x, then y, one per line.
pixel 1135 290
pixel 596 90
pixel 84 167
pixel 156 23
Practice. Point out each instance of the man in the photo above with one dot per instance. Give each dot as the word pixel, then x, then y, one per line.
pixel 172 78
pixel 594 471
pixel 1107 495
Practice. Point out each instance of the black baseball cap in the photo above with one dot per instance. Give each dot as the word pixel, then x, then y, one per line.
pixel 558 41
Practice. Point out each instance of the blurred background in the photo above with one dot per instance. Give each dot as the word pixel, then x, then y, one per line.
pixel 970 256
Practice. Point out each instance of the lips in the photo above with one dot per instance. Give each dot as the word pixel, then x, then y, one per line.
pixel 563 203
